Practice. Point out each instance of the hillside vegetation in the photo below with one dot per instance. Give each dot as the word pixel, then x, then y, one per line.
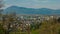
pixel 51 26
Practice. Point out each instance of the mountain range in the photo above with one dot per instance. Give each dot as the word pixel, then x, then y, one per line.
pixel 24 10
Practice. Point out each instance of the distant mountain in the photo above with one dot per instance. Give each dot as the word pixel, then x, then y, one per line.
pixel 23 10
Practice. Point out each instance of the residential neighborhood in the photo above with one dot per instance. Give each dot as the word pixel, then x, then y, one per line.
pixel 25 23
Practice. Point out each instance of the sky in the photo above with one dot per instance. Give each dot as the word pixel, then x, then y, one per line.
pixel 52 4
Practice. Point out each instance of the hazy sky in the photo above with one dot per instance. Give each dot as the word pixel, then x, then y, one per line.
pixel 53 4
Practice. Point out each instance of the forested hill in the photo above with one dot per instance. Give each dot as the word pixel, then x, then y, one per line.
pixel 23 10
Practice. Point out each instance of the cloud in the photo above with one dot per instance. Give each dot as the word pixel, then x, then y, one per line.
pixel 40 1
pixel 34 3
pixel 7 5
